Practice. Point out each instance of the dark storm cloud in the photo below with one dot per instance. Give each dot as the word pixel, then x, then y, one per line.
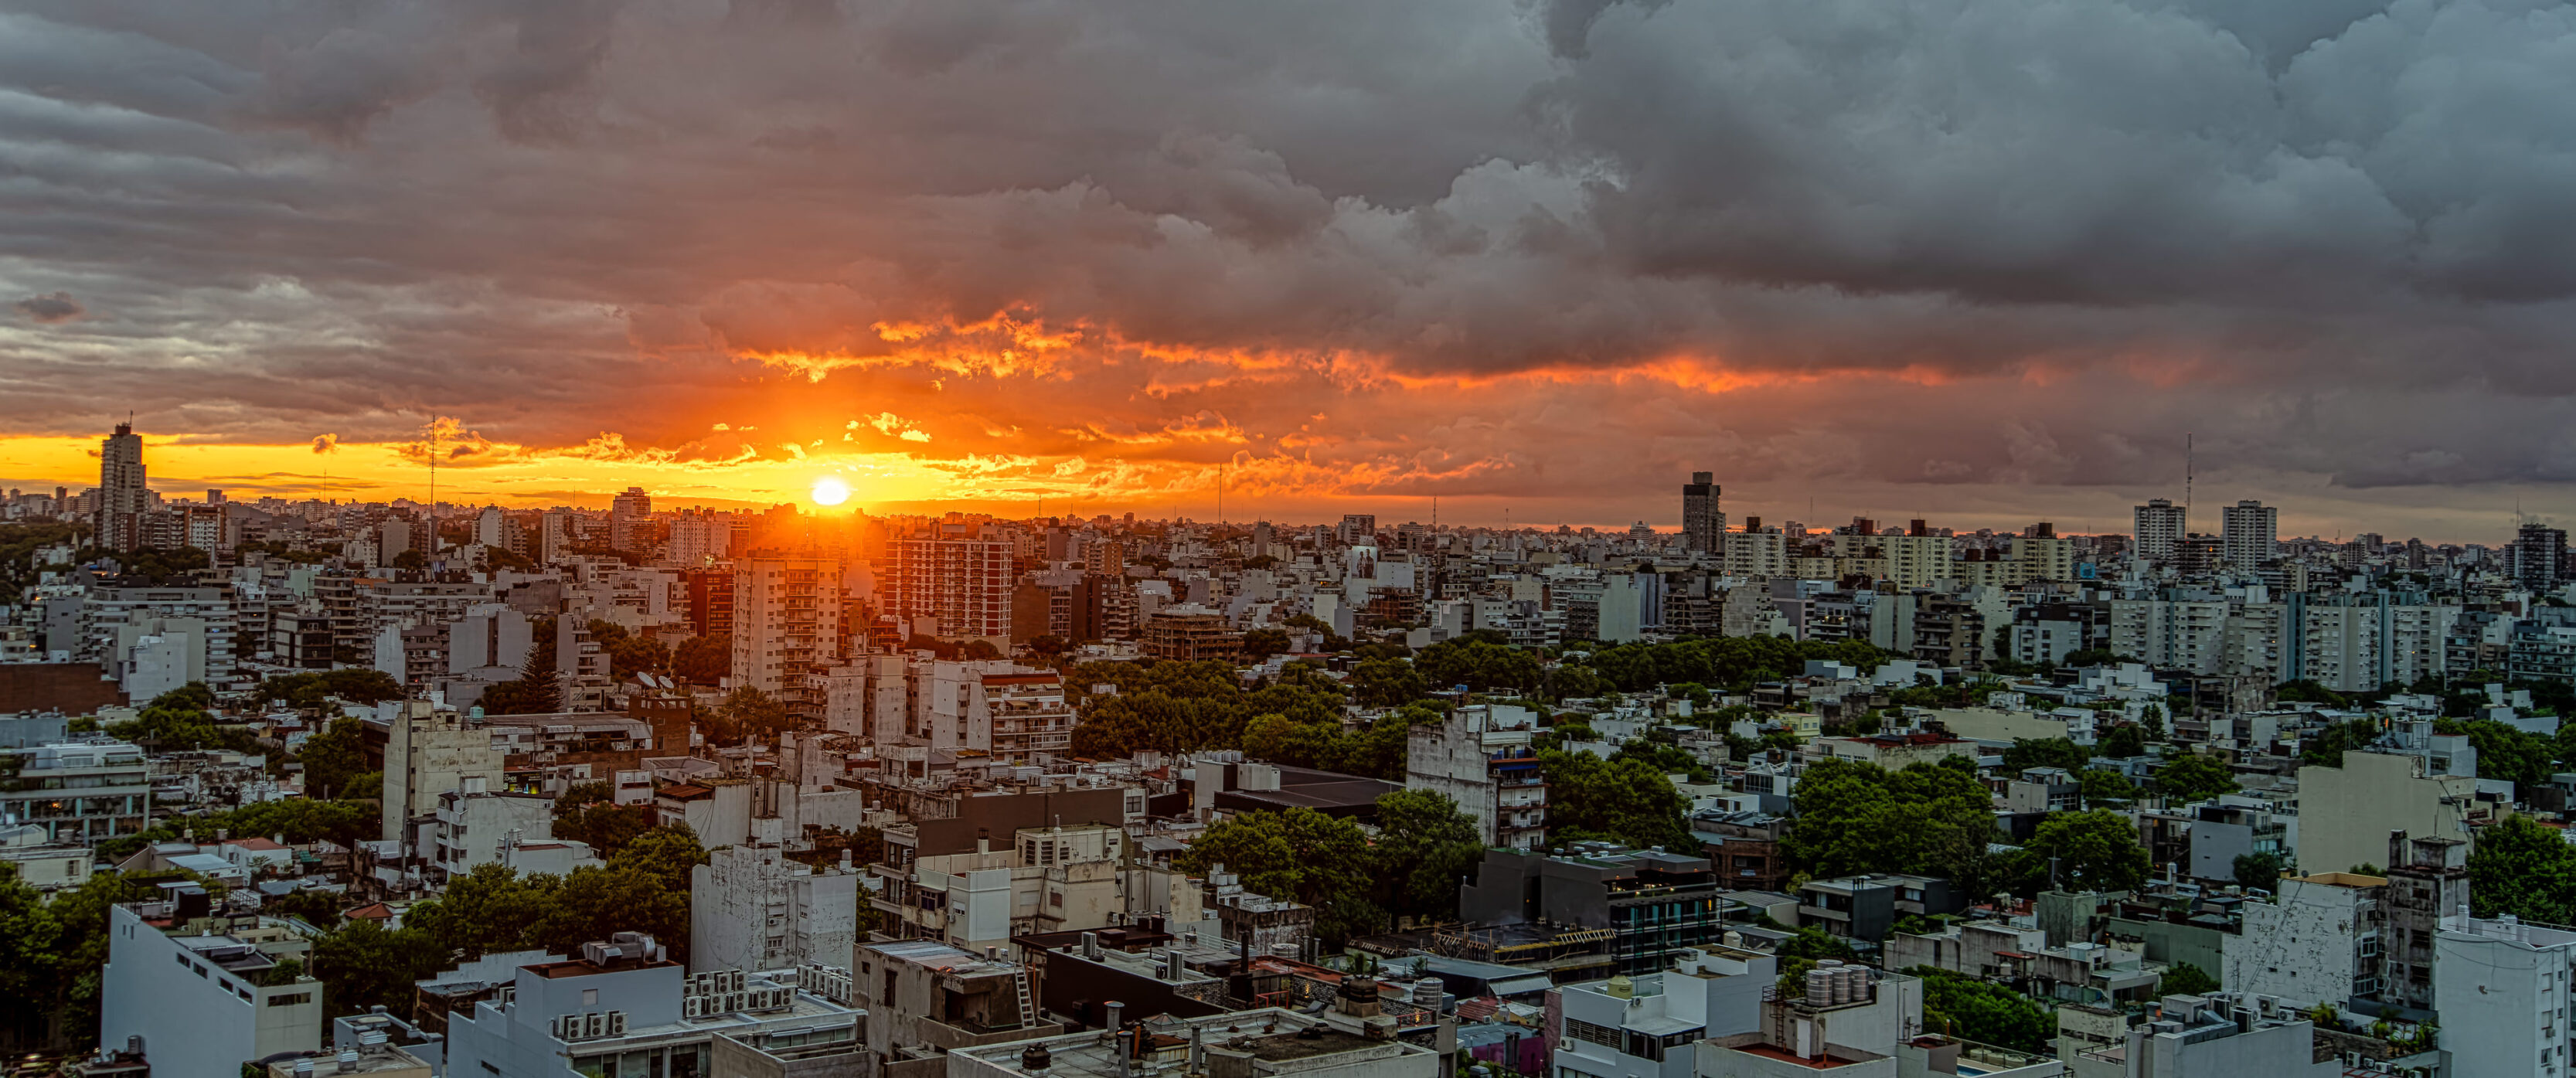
pixel 49 309
pixel 2043 236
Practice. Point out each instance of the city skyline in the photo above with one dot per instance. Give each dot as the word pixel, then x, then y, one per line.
pixel 838 490
pixel 1579 256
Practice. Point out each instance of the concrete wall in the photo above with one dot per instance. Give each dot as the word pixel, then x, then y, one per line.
pixel 2301 948
pixel 2346 812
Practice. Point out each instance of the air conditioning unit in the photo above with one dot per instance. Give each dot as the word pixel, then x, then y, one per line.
pixel 616 1023
pixel 690 1007
pixel 567 1027
pixel 594 1024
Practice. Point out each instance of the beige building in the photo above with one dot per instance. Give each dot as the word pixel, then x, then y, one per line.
pixel 2346 813
pixel 429 752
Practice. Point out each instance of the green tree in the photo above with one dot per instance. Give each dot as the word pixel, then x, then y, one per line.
pixel 2123 741
pixel 1857 817
pixel 2504 752
pixel 1425 844
pixel 2193 777
pixel 2520 867
pixel 1301 855
pixel 367 965
pixel 313 689
pixel 2058 752
pixel 2095 850
pixel 704 660
pixel 750 712
pixel 605 828
pixel 591 903
pixel 1627 801
pixel 81 944
pixel 1978 1010
pixel 1479 665
pixel 629 654
pixel 487 910
pixel 1259 644
pixel 538 690
pixel 2260 871
pixel 29 941
pixel 2327 746
pixel 1386 683
pixel 321 909
pixel 2185 979
pixel 666 854
pixel 2104 788
pixel 335 756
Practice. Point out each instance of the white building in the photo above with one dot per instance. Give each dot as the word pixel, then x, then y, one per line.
pixel 1483 758
pixel 2160 527
pixel 471 827
pixel 192 990
pixel 2251 531
pixel 752 908
pixel 2221 1035
pixel 2503 991
pixel 1643 1027
pixel 622 1008
pixel 2317 941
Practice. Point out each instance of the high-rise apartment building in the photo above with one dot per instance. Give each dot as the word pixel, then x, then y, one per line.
pixel 2537 559
pixel 2160 526
pixel 1358 528
pixel 554 538
pixel 2252 532
pixel 630 520
pixel 959 586
pixel 490 528
pixel 786 625
pixel 1703 524
pixel 699 536
pixel 122 497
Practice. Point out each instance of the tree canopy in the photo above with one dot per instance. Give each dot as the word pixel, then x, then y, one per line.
pixel 1301 855
pixel 1855 817
pixel 1185 707
pixel 313 688
pixel 2193 777
pixel 2095 850
pixel 1979 1010
pixel 704 660
pixel 1628 801
pixel 2029 752
pixel 2519 867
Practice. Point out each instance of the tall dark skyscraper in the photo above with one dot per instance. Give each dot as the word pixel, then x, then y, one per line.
pixel 122 498
pixel 1703 523
pixel 2539 557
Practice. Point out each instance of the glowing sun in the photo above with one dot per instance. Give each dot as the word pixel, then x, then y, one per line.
pixel 830 490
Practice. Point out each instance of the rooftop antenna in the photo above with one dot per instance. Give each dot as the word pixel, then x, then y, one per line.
pixel 2186 475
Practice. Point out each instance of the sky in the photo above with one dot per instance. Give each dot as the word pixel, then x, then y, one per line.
pixel 1984 262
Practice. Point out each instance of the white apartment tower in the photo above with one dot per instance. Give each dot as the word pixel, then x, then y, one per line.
pixel 2252 533
pixel 786 626
pixel 2161 526
pixel 957 587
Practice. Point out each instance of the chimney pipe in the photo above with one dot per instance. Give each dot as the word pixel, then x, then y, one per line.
pixel 1118 1034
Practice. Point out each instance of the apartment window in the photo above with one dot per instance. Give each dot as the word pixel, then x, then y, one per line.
pixel 1576 1029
